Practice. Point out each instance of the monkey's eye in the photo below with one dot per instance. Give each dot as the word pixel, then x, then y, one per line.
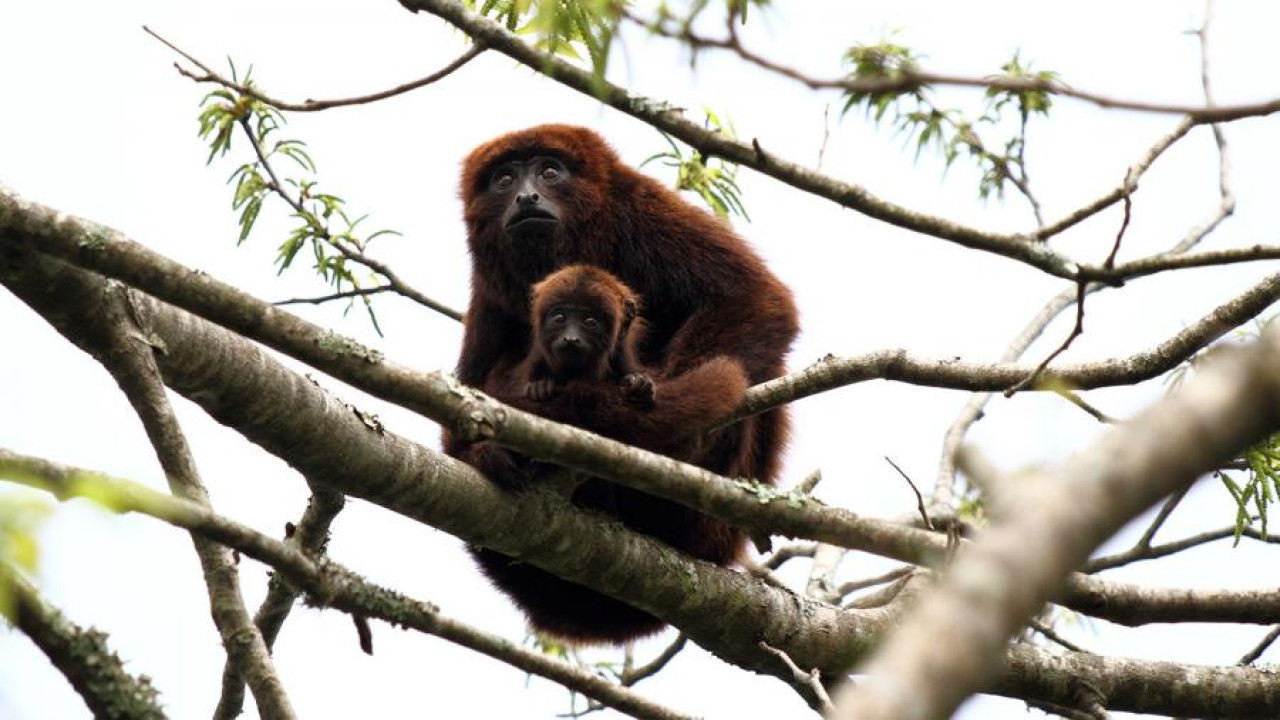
pixel 503 180
pixel 550 173
pixel 556 318
pixel 591 323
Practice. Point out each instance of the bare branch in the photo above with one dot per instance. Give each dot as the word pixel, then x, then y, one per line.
pixel 1126 187
pixel 1139 553
pixel 855 585
pixel 209 76
pixel 1252 656
pixel 944 485
pixel 124 347
pixel 808 683
pixel 924 514
pixel 1053 636
pixel 82 656
pixel 439 398
pixel 311 535
pixel 822 572
pixel 789 552
pixel 358 292
pixel 832 372
pixel 652 668
pixel 1076 331
pixel 749 153
pixel 1110 262
pixel 1076 399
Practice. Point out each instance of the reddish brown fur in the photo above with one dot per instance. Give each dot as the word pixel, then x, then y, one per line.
pixel 706 292
pixel 683 408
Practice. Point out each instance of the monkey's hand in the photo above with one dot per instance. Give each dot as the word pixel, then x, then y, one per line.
pixel 539 390
pixel 639 390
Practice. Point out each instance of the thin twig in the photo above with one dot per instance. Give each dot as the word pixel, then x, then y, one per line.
pixel 924 514
pixel 855 585
pixel 1076 331
pixel 651 668
pixel 1110 262
pixel 210 76
pixel 1163 515
pixel 1075 399
pixel 358 292
pixel 810 681
pixel 944 485
pixel 1053 636
pixel 1156 552
pixel 1252 656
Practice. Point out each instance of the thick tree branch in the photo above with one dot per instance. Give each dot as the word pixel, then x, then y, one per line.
pixel 326 582
pixel 1018 563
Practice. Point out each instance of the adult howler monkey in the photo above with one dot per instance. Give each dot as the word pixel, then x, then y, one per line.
pixel 539 199
pixel 582 370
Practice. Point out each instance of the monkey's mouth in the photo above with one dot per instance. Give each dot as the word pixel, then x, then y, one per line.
pixel 530 219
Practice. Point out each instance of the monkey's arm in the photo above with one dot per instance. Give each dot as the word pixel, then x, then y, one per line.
pixel 683 407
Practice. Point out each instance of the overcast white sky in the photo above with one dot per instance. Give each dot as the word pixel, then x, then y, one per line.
pixel 95 121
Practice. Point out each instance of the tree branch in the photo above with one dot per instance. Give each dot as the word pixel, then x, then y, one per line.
pixel 125 349
pixel 82 656
pixel 905 80
pixel 1008 573
pixel 311 535
pixel 326 582
pixel 209 76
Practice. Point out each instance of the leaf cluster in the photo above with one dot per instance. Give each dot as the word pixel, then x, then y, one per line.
pixel 713 179
pixel 1261 463
pixel 563 28
pixel 924 123
pixel 322 223
pixel 1260 487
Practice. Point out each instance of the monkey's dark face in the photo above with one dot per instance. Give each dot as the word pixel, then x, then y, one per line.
pixel 529 191
pixel 576 341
